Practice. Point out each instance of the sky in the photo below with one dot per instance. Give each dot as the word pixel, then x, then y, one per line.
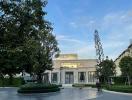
pixel 74 23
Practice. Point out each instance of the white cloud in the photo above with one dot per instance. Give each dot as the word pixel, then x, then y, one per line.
pixel 83 22
pixel 87 51
pixel 73 24
pixel 117 20
pixel 115 30
pixel 119 30
pixel 68 39
pixel 69 44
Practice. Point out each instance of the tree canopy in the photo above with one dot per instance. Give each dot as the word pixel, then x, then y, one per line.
pixel 107 69
pixel 126 67
pixel 26 39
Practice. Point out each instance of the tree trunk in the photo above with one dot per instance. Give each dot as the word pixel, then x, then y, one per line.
pixel 105 80
pixel 2 79
pixel 129 82
pixel 10 79
pixel 39 78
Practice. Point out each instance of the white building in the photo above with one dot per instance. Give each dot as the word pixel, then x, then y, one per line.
pixel 68 69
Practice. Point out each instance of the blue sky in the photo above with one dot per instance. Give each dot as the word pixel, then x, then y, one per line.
pixel 74 22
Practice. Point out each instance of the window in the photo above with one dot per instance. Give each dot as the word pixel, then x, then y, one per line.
pixel 54 78
pixel 82 76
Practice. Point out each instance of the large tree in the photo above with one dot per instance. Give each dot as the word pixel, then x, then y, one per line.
pixel 26 39
pixel 107 70
pixel 126 67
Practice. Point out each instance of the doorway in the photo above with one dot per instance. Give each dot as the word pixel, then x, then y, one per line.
pixel 69 78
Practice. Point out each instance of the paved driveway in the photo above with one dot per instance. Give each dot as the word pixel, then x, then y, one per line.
pixel 64 94
pixel 107 95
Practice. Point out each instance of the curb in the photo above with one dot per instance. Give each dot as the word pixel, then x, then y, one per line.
pixel 130 94
pixel 8 87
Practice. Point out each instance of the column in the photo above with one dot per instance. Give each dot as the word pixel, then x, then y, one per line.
pixel 63 77
pixel 86 77
pixel 50 76
pixel 75 76
pixel 58 76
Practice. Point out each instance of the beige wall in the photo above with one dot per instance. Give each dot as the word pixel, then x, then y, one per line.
pixel 127 52
pixel 80 63
pixel 67 57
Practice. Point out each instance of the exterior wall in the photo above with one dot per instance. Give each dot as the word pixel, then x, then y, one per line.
pixel 81 63
pixel 71 70
pixel 118 71
pixel 83 72
pixel 127 52
pixel 62 75
pixel 67 57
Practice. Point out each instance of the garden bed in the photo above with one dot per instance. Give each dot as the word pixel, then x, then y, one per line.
pixel 84 85
pixel 38 88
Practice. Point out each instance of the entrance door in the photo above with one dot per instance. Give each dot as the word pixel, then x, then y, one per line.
pixel 69 78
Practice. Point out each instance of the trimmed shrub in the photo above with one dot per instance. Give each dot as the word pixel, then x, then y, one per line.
pixel 119 80
pixel 120 88
pixel 88 85
pixel 60 85
pixel 38 88
pixel 15 82
pixel 84 85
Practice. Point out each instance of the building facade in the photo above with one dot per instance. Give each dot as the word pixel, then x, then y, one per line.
pixel 127 52
pixel 68 69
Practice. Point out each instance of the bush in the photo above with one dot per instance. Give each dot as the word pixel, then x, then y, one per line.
pixel 88 85
pixel 120 88
pixel 15 82
pixel 38 88
pixel 119 80
pixel 84 85
pixel 60 85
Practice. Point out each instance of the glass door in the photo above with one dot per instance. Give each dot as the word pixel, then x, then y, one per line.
pixel 69 78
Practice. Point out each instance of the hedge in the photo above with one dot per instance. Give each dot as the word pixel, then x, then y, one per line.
pixel 120 88
pixel 38 88
pixel 119 80
pixel 15 82
pixel 88 85
pixel 84 85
